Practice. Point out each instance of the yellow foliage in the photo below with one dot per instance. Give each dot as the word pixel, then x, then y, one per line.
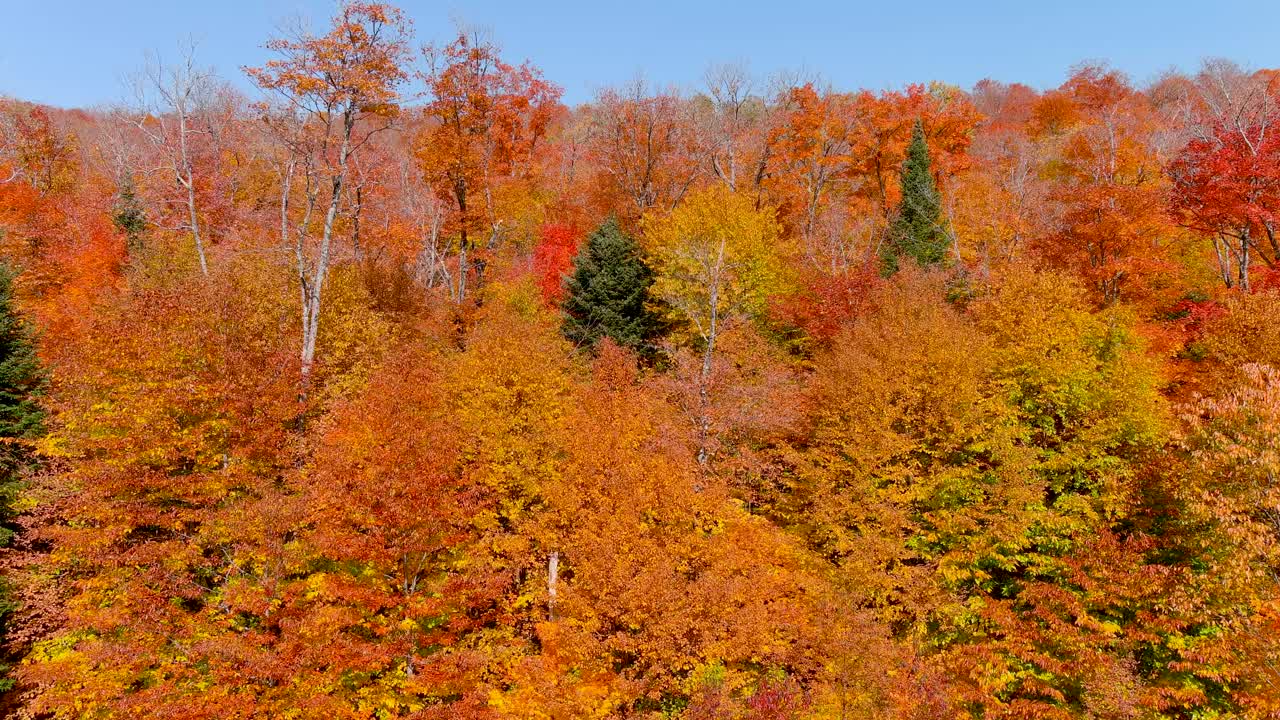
pixel 715 257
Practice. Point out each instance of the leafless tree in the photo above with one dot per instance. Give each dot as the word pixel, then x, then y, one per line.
pixel 173 111
pixel 729 87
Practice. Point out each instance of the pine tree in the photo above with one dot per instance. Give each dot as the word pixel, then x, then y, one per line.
pixel 128 215
pixel 21 418
pixel 918 231
pixel 608 291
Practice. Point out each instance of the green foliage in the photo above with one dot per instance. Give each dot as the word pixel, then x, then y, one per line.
pixel 608 291
pixel 919 231
pixel 21 384
pixel 128 215
pixel 21 418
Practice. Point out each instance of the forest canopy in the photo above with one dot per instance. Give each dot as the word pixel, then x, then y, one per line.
pixel 399 388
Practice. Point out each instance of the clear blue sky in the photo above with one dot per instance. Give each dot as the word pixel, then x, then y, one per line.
pixel 74 52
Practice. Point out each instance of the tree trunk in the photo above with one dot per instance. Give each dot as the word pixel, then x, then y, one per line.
pixel 315 284
pixel 463 242
pixel 708 355
pixel 553 576
pixel 1243 267
pixel 188 181
pixel 195 226
pixel 1224 259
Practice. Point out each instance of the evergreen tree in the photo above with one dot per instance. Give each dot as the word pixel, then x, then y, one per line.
pixel 21 418
pixel 128 215
pixel 918 231
pixel 608 291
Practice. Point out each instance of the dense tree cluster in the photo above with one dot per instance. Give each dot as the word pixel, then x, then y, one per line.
pixel 351 401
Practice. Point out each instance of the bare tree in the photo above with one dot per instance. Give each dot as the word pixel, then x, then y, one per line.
pixel 729 87
pixel 173 109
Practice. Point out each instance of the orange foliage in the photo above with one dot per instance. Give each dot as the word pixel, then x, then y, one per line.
pixel 1038 482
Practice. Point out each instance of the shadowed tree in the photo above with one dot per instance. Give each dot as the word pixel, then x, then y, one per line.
pixel 21 418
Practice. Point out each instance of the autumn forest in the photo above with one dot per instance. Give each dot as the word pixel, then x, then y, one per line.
pixel 401 388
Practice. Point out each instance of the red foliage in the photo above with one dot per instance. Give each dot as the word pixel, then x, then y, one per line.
pixel 553 258
pixel 1268 279
pixel 1230 181
pixel 1195 313
pixel 780 700
pixel 826 303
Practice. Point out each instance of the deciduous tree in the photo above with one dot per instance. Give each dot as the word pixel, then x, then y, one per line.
pixel 488 120
pixel 338 89
pixel 717 259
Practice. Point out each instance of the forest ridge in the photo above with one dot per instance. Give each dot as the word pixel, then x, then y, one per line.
pixel 402 389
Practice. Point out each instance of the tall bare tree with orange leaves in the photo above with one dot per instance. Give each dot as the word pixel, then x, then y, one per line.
pixel 337 90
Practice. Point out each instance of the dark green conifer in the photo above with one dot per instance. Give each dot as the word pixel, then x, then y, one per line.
pixel 918 231
pixel 608 291
pixel 21 419
pixel 128 215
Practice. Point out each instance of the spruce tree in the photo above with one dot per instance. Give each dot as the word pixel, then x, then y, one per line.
pixel 21 418
pixel 608 291
pixel 918 231
pixel 128 215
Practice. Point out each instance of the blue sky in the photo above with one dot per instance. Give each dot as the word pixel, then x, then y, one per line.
pixel 74 52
